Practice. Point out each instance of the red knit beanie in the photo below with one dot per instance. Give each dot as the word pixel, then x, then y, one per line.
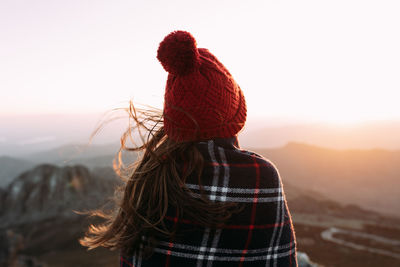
pixel 202 100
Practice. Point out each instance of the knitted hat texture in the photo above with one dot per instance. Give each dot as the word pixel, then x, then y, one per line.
pixel 202 100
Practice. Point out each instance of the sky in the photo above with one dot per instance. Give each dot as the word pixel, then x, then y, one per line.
pixel 333 61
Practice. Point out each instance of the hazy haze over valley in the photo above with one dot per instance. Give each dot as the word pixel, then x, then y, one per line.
pixel 22 136
pixel 353 164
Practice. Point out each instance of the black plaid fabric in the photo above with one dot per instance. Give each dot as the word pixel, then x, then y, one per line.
pixel 260 235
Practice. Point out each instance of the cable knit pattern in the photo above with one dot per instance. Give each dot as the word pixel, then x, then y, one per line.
pixel 202 100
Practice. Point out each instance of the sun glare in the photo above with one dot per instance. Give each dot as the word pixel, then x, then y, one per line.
pixel 296 60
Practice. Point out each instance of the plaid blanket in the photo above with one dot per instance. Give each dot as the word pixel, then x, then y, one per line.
pixel 260 235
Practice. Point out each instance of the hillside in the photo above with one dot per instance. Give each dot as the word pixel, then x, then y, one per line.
pixel 91 156
pixel 73 153
pixel 368 178
pixel 48 191
pixel 37 218
pixel 368 135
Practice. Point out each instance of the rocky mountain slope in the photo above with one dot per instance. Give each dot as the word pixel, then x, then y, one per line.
pixel 48 191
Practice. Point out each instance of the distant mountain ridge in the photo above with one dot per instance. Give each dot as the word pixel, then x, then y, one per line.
pixel 368 178
pixel 73 152
pixel 91 156
pixel 371 135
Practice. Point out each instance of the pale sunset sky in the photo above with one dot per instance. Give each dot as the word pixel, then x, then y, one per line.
pixel 335 61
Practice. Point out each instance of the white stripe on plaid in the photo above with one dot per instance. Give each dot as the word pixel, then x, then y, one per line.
pixel 242 199
pixel 226 169
pixel 234 190
pixel 137 256
pixel 226 250
pixel 134 259
pixel 203 246
pixel 225 258
pixel 272 241
pixel 217 233
pixel 212 197
pixel 214 245
pixel 139 260
pixel 216 168
pixel 278 240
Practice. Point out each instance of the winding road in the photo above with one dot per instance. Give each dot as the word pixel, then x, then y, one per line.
pixel 329 236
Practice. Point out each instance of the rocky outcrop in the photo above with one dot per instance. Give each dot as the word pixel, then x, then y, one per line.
pixel 48 191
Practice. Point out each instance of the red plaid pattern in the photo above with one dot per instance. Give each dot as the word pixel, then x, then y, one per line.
pixel 260 235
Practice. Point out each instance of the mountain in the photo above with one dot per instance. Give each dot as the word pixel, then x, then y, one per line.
pixel 72 153
pixel 368 178
pixel 48 191
pixel 91 156
pixel 38 225
pixel 368 135
pixel 11 167
pixel 88 155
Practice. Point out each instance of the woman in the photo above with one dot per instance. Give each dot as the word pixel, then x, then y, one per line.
pixel 195 198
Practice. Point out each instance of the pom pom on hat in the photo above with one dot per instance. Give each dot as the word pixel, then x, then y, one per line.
pixel 178 53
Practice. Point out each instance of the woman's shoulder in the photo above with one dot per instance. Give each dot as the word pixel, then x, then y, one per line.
pixel 245 168
pixel 265 171
pixel 216 147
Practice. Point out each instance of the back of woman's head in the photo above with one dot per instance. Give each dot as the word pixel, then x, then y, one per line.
pixel 202 102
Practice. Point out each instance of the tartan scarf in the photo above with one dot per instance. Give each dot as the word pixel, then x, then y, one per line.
pixel 261 234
